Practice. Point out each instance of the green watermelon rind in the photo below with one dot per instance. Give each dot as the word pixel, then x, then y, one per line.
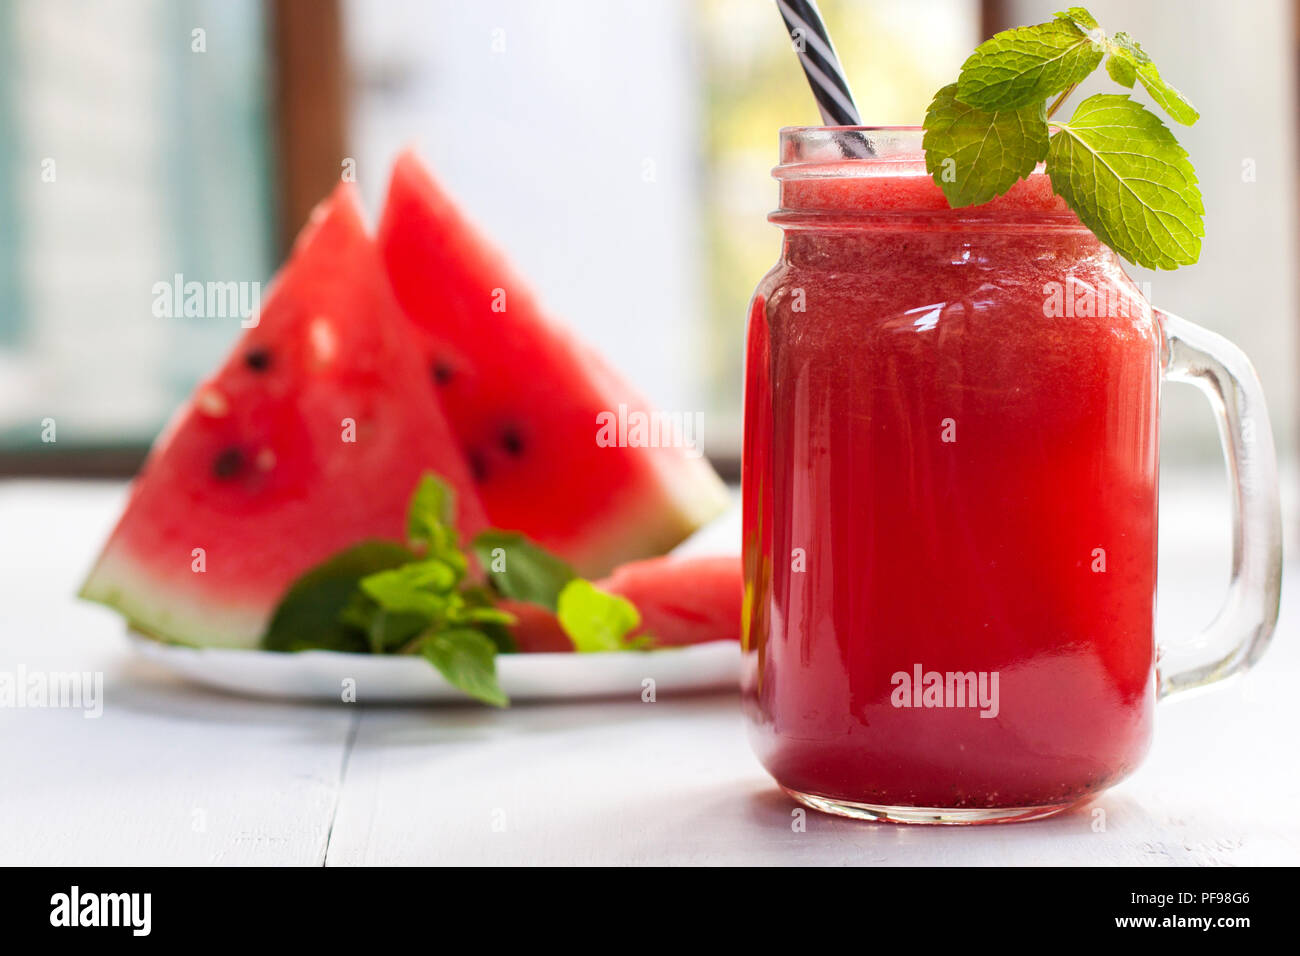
pixel 172 619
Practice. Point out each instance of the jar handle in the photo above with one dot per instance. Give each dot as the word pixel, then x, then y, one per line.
pixel 1240 632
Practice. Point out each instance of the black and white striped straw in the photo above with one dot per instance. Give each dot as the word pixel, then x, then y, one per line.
pixel 820 64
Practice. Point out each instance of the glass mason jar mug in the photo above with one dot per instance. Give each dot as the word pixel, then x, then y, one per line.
pixel 950 496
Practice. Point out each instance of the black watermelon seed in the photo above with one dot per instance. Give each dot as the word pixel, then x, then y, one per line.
pixel 258 359
pixel 512 442
pixel 443 373
pixel 478 468
pixel 228 464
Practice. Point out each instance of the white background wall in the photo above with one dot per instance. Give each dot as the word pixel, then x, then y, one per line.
pixel 1235 61
pixel 574 147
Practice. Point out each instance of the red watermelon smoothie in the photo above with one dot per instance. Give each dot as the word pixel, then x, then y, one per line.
pixel 950 497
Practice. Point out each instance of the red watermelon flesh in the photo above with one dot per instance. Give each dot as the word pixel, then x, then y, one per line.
pixel 523 396
pixel 256 469
pixel 682 601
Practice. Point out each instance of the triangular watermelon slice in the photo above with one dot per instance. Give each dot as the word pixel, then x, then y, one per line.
pixel 310 438
pixel 523 396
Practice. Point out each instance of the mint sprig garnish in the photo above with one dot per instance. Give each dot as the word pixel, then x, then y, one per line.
pixel 382 597
pixel 1114 162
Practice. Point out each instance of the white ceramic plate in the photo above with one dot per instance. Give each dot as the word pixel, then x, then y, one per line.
pixel 319 675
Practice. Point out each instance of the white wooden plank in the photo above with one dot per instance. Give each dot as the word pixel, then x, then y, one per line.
pixel 170 774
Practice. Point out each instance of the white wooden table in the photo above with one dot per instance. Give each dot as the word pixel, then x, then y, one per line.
pixel 174 774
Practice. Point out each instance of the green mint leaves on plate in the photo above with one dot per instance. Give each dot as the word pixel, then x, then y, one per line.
pixel 519 569
pixel 596 621
pixel 1114 162
pixel 311 613
pixel 381 597
pixel 468 660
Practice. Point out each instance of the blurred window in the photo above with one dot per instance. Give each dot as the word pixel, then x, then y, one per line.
pixel 133 149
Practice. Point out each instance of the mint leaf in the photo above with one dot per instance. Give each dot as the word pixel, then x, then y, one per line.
pixel 973 155
pixel 420 587
pixel 498 629
pixel 461 613
pixel 308 616
pixel 1133 63
pixel 1018 67
pixel 429 519
pixel 385 631
pixel 521 570
pixel 1122 171
pixel 1081 18
pixel 1121 70
pixel 467 659
pixel 595 620
pixel 432 504
pixel 423 595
